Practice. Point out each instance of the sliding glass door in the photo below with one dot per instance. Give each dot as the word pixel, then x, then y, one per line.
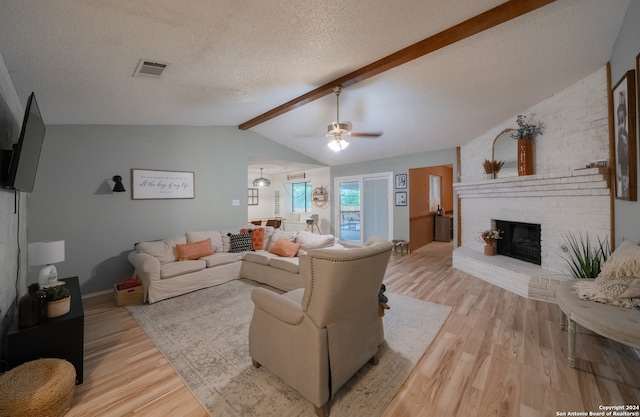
pixel 364 209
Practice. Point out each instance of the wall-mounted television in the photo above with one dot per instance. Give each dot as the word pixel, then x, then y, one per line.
pixel 20 164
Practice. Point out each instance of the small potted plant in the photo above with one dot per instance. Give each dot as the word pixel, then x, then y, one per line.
pixel 585 257
pixel 489 237
pixel 58 300
pixel 525 133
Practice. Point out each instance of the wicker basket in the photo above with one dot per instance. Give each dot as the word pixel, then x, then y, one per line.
pixel 58 308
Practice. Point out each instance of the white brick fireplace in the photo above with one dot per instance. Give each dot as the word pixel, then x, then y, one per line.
pixel 562 196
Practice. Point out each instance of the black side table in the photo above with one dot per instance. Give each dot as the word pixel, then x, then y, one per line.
pixel 59 337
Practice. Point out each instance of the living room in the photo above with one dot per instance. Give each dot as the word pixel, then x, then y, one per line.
pixel 73 201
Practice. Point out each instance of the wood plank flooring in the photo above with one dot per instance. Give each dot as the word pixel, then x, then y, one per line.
pixel 497 354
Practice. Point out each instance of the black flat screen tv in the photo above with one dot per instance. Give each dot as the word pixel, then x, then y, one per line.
pixel 20 164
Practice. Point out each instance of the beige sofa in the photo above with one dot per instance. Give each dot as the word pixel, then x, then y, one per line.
pixel 163 276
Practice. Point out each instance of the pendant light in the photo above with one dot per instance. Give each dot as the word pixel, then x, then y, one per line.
pixel 261 182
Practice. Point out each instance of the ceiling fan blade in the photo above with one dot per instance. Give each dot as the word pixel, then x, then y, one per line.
pixel 365 135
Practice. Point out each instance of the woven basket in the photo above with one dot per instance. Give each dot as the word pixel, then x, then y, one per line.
pixel 42 388
pixel 58 307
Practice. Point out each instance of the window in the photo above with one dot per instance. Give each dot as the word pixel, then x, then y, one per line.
pixel 301 197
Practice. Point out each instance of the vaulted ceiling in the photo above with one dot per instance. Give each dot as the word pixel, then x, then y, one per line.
pixel 230 61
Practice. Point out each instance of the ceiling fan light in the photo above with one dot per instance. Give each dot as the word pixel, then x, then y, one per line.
pixel 338 129
pixel 338 145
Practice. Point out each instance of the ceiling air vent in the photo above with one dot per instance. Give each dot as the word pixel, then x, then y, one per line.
pixel 149 69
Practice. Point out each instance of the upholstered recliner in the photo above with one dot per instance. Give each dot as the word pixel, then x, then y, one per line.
pixel 315 338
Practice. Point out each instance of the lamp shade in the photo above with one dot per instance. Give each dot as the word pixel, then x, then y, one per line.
pixel 46 253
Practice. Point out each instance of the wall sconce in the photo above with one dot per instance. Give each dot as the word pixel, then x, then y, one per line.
pixel 47 253
pixel 118 187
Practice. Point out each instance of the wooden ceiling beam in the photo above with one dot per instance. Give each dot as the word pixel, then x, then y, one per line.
pixel 491 18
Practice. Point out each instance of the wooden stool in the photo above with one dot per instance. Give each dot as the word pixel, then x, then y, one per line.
pixel 43 388
pixel 402 244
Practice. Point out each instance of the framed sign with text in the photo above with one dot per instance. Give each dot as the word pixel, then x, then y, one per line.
pixel 147 184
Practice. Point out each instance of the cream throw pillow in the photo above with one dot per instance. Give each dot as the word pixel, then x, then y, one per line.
pixel 620 274
pixel 310 241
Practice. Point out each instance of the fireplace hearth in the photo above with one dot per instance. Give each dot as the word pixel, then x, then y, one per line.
pixel 519 241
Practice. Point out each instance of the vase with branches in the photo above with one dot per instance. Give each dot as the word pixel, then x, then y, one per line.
pixel 491 168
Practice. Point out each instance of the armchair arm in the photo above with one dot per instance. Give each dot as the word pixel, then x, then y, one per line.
pixel 147 267
pixel 277 306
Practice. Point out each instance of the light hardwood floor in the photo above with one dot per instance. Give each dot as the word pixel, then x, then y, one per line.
pixel 497 354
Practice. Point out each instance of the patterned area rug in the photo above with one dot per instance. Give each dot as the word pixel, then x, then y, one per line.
pixel 204 335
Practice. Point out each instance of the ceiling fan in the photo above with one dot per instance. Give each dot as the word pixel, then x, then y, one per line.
pixel 337 131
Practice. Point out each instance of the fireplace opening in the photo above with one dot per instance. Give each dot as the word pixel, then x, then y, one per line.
pixel 520 241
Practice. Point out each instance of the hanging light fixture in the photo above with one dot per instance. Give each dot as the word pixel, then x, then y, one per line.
pixel 337 129
pixel 261 182
pixel 338 144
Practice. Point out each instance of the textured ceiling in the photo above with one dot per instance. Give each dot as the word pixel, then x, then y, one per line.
pixel 231 60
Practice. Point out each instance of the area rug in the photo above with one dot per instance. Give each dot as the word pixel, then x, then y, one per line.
pixel 204 335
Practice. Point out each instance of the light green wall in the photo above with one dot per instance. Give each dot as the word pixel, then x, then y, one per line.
pixel 72 198
pixel 400 165
pixel 627 46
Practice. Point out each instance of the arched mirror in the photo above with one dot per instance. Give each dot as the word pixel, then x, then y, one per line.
pixel 505 148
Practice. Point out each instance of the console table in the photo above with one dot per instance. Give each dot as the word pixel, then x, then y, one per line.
pixel 59 337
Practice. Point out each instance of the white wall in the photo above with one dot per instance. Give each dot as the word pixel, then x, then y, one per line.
pixel 576 133
pixel 266 207
pixel 13 220
pixel 627 46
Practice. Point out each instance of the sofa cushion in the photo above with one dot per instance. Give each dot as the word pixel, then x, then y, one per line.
pixel 310 241
pixel 279 234
pixel 195 250
pixel 172 242
pixel 214 235
pixel 286 264
pixel 240 242
pixel 173 269
pixel 285 248
pixel 221 258
pixel 260 257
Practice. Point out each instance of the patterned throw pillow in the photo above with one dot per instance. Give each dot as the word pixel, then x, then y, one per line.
pixel 196 250
pixel 257 237
pixel 620 274
pixel 283 247
pixel 240 242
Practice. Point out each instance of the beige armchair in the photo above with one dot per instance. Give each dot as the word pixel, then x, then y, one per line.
pixel 315 338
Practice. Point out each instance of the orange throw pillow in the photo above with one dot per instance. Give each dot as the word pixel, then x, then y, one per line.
pixel 257 237
pixel 284 248
pixel 195 250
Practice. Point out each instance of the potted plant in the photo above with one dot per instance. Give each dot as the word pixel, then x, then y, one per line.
pixel 525 134
pixel 585 258
pixel 58 300
pixel 489 237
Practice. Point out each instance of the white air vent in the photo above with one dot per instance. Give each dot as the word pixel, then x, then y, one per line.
pixel 149 69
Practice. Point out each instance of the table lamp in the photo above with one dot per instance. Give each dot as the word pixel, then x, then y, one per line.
pixel 47 253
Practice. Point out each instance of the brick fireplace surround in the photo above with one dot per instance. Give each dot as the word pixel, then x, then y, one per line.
pixel 562 196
